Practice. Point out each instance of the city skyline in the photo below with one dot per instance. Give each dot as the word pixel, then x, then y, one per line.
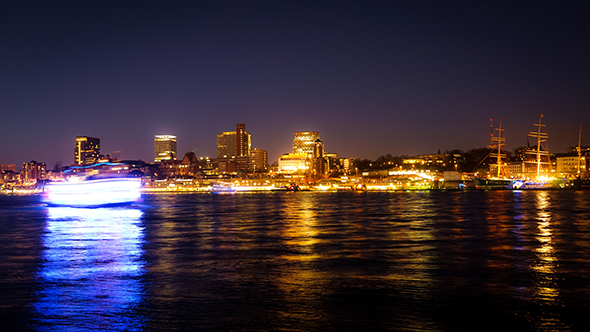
pixel 374 78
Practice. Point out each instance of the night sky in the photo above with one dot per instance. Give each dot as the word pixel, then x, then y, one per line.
pixel 398 77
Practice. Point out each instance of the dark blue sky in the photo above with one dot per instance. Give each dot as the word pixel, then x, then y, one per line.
pixel 407 77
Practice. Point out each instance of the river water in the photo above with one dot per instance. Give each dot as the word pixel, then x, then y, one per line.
pixel 303 261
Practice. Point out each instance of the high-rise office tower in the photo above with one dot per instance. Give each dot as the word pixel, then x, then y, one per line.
pixel 164 148
pixel 242 140
pixel 234 143
pixel 318 149
pixel 226 144
pixel 303 142
pixel 87 150
pixel 319 162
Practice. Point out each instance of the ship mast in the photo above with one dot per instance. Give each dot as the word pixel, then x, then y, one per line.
pixel 579 149
pixel 500 141
pixel 541 137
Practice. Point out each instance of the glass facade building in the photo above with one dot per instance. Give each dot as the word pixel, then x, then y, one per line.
pixel 87 151
pixel 164 148
pixel 304 141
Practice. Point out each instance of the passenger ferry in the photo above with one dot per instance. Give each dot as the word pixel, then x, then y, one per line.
pixel 93 192
pixel 222 187
pixel 93 186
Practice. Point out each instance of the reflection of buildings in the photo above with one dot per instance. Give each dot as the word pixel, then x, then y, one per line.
pixel 87 150
pixel 164 148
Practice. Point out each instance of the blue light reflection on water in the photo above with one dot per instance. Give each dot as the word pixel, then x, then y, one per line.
pixel 90 277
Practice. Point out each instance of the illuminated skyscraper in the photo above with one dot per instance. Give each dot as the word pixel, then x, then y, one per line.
pixel 226 144
pixel 242 140
pixel 303 142
pixel 164 148
pixel 319 162
pixel 234 143
pixel 87 150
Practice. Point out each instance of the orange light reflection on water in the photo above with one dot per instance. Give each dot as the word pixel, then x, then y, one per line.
pixel 546 288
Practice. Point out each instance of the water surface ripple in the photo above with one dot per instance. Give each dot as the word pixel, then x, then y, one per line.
pixel 345 261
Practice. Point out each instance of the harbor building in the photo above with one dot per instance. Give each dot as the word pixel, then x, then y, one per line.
pixel 303 142
pixel 226 144
pixel 258 160
pixel 319 164
pixel 87 151
pixel 234 143
pixel 33 171
pixel 8 167
pixel 291 163
pixel 570 164
pixel 243 142
pixel 164 148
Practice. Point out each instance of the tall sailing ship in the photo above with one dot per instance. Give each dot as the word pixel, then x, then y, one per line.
pixel 539 166
pixel 500 180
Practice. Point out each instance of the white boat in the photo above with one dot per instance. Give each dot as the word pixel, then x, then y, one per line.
pixel 223 188
pixel 534 185
pixel 93 192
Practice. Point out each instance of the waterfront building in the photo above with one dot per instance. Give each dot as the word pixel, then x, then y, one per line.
pixel 258 160
pixel 226 144
pixel 303 142
pixel 189 164
pixel 567 164
pixel 232 165
pixel 318 162
pixel 345 164
pixel 33 171
pixel 87 151
pixel 164 148
pixel 426 159
pixel 515 169
pixel 574 149
pixel 8 167
pixel 234 143
pixel 291 163
pixel 192 166
pixel 243 141
pixel 8 174
pixel 169 169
